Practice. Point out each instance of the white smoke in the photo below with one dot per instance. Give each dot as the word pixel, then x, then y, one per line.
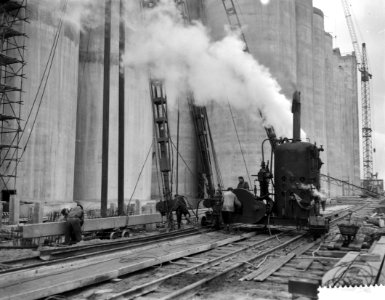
pixel 265 2
pixel 186 58
pixel 77 13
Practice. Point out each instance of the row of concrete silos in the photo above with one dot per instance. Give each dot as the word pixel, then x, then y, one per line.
pixel 63 160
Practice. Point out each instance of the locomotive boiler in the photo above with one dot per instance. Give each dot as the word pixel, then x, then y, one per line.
pixel 295 198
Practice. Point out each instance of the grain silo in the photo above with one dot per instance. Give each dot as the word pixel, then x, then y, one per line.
pixel 304 22
pixel 138 117
pixel 46 173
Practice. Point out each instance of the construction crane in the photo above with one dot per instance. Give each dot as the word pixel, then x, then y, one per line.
pixel 362 62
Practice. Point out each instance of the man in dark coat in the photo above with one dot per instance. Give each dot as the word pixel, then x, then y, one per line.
pixel 242 184
pixel 74 222
pixel 181 209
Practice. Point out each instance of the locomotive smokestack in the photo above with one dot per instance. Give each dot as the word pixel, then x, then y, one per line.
pixel 296 110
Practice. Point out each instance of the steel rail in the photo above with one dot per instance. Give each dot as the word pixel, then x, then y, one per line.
pixel 191 289
pixel 151 286
pixel 67 256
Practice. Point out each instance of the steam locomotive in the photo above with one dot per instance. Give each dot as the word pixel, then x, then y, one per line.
pixel 296 199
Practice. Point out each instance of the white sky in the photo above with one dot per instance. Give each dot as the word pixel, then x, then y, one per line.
pixel 369 19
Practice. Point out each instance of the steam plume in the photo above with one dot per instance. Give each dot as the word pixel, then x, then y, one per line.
pixel 187 59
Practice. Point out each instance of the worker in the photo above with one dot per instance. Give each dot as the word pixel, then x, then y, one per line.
pixel 181 209
pixel 230 201
pixel 242 184
pixel 74 222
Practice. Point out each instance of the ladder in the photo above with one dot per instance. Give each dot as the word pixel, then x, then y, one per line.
pixel 162 134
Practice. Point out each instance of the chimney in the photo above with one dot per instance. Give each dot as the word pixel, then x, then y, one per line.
pixel 296 110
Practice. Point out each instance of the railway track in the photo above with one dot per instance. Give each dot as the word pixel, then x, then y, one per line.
pixel 185 275
pixel 49 257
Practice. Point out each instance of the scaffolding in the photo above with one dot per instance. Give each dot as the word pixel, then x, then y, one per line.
pixel 12 37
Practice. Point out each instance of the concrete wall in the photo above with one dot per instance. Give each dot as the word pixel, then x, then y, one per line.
pixel 349 65
pixel 319 86
pixel 344 138
pixel 138 118
pixel 330 121
pixel 46 173
pixel 304 23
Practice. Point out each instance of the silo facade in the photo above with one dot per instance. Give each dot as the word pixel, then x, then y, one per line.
pixel 351 130
pixel 138 117
pixel 304 18
pixel 46 173
pixel 270 31
pixel 319 86
pixel 330 126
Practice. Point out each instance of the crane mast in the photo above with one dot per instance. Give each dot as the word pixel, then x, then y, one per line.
pixel 362 61
pixel 366 116
pixel 352 32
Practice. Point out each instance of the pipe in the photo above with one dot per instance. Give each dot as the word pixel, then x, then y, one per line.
pixel 296 110
pixel 121 113
pixel 106 108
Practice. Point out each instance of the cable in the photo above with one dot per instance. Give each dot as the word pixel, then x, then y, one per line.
pixel 239 142
pixel 180 155
pixel 140 173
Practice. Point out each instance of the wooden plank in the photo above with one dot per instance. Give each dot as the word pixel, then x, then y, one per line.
pixel 267 294
pixel 335 254
pixel 102 271
pixel 304 264
pixel 309 275
pixel 58 228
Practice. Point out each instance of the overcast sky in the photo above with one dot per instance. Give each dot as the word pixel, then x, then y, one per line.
pixel 369 20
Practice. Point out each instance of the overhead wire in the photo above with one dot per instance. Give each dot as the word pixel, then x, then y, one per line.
pixel 140 173
pixel 239 142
